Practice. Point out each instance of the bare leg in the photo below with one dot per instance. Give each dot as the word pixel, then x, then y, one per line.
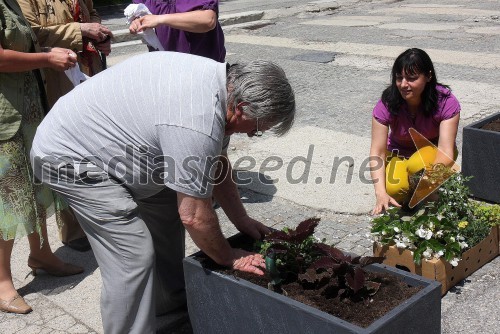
pixel 7 290
pixel 44 253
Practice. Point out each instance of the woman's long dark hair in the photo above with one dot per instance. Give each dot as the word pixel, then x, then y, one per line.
pixel 412 62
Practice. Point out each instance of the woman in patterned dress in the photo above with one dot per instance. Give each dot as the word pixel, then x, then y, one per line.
pixel 22 107
pixel 75 25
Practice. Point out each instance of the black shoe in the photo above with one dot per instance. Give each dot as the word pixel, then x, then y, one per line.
pixel 80 244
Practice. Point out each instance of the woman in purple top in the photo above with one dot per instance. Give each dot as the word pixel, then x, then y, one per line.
pixel 188 26
pixel 416 100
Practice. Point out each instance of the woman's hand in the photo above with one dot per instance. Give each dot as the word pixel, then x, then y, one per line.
pixel 144 22
pixel 95 31
pixel 148 21
pixel 61 59
pixel 134 26
pixel 383 203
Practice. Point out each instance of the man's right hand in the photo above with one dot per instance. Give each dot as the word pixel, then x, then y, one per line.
pixel 248 262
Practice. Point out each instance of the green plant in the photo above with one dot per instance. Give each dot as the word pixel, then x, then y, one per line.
pixel 484 216
pixel 442 228
pixel 488 214
pixel 289 252
pixel 297 256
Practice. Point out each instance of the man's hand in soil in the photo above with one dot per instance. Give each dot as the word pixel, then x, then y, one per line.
pixel 248 262
pixel 252 227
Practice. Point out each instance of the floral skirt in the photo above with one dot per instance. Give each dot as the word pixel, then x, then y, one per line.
pixel 23 204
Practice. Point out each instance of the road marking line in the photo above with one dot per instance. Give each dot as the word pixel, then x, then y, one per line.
pixel 432 10
pixel 380 24
pixel 351 21
pixel 485 30
pixel 419 26
pixel 469 59
pixel 129 43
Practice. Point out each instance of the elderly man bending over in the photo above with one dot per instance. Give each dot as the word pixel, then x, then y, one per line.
pixel 136 150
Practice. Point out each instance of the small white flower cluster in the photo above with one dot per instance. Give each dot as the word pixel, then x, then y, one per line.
pixel 424 233
pixel 428 254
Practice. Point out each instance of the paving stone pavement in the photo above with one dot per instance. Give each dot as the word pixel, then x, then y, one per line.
pixel 47 318
pixel 345 231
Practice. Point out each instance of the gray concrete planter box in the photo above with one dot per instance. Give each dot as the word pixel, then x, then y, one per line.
pixel 481 159
pixel 224 304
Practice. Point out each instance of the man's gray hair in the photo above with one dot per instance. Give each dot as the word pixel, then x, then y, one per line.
pixel 266 94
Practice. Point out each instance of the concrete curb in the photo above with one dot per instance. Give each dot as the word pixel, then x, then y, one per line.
pixel 244 17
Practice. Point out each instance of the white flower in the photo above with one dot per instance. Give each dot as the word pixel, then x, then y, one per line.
pixel 400 244
pixel 452 239
pixel 454 261
pixel 439 234
pixel 463 245
pixel 427 253
pixel 426 234
pixel 420 232
pixel 396 229
pixel 384 232
pixel 438 254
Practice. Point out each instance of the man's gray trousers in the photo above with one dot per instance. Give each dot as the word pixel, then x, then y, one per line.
pixel 138 244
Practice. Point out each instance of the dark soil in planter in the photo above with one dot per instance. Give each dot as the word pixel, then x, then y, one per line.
pixel 392 292
pixel 492 126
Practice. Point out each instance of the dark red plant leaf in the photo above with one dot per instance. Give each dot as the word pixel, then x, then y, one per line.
pixel 333 252
pixel 309 276
pixel 330 291
pixel 324 278
pixel 356 281
pixel 324 263
pixel 304 230
pixel 364 261
pixel 278 236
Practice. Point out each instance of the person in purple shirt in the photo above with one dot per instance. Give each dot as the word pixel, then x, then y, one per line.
pixel 415 99
pixel 188 26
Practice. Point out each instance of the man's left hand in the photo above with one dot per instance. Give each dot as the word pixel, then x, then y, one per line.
pixel 252 227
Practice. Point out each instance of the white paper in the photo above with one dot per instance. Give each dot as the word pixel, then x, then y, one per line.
pixel 75 75
pixel 134 11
